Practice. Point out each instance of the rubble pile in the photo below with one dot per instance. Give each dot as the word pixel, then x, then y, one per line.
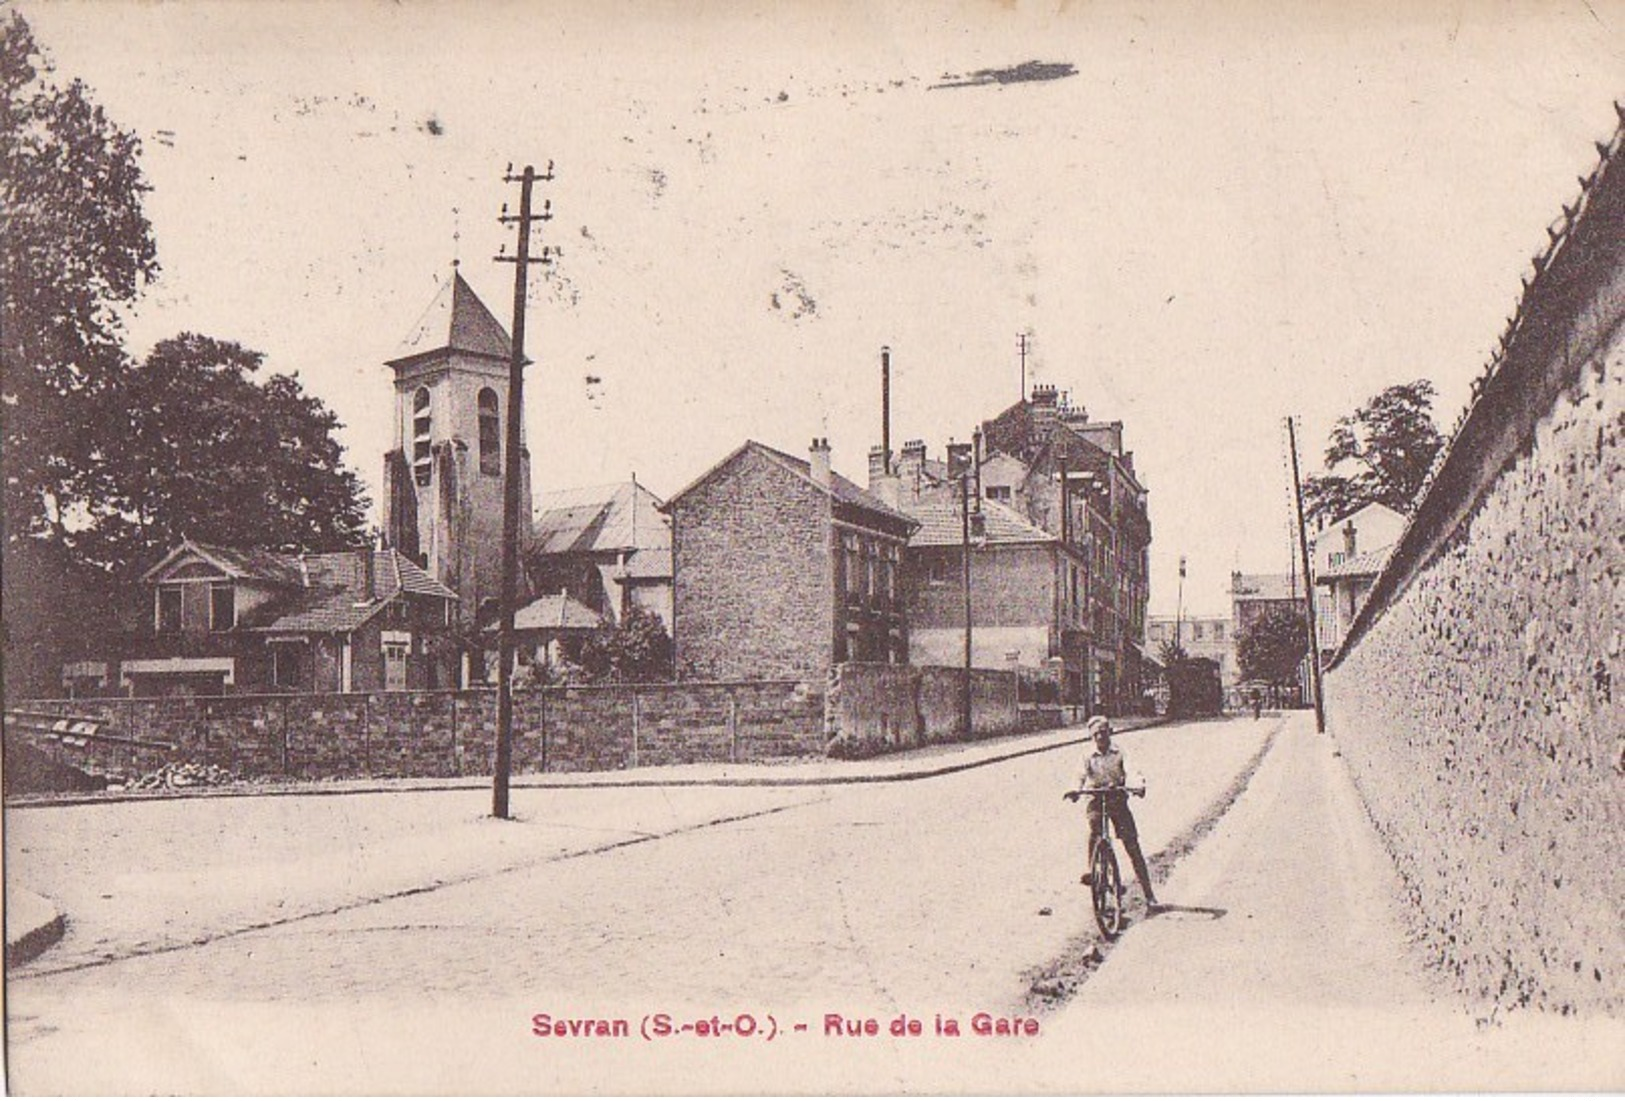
pixel 184 775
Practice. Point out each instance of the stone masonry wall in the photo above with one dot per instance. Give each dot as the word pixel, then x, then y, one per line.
pixel 427 734
pixel 1476 701
pixel 874 709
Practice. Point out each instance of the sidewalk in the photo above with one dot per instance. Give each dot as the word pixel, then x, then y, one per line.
pixel 912 764
pixel 32 925
pixel 1286 929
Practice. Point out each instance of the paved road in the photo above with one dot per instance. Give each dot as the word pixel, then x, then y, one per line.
pixel 920 897
pixel 389 943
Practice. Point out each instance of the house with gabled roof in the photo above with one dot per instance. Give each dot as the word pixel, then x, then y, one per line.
pixel 1347 556
pixel 1029 593
pixel 229 620
pixel 781 567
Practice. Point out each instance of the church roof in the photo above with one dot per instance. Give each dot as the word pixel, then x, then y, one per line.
pixel 456 321
pixel 624 516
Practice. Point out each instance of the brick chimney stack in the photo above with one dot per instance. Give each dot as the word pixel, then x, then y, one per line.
pixel 818 461
pixel 369 579
pixel 910 465
pixel 1046 413
pixel 1348 538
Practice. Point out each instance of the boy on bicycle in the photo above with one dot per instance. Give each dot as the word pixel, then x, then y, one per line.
pixel 1107 769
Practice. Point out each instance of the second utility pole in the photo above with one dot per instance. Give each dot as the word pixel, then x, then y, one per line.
pixel 1315 685
pixel 503 764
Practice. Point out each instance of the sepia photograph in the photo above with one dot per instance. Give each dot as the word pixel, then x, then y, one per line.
pixel 825 547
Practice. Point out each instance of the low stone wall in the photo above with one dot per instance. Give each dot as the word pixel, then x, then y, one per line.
pixel 874 709
pixel 428 734
pixel 1475 702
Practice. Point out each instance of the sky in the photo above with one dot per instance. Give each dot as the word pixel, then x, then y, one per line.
pixel 1220 216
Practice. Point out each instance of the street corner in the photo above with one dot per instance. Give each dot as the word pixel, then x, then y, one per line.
pixel 33 924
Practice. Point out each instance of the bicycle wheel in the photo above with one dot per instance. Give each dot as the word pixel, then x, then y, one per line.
pixel 1106 890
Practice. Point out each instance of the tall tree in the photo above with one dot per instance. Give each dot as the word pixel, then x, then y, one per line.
pixel 1271 646
pixel 77 246
pixel 196 447
pixel 1379 453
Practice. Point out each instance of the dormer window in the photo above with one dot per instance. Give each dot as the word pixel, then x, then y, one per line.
pixel 222 606
pixel 490 433
pixel 422 424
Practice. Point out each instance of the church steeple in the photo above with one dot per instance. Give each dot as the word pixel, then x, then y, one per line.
pixel 443 478
pixel 456 321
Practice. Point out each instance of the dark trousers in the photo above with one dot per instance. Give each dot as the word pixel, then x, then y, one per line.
pixel 1115 805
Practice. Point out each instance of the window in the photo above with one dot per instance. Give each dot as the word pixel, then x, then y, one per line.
pixel 1196 630
pixel 285 666
pixel 998 493
pixel 169 609
pixel 938 570
pixel 222 606
pixel 490 433
pixel 422 423
pixel 854 566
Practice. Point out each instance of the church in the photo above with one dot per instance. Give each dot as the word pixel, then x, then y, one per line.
pixel 404 616
pixel 443 477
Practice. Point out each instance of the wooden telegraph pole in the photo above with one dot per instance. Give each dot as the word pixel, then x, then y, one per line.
pixel 503 765
pixel 959 463
pixel 1308 584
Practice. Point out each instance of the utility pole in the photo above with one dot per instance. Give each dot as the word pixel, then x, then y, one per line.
pixel 1021 347
pixel 503 765
pixel 1179 607
pixel 1308 584
pixel 959 461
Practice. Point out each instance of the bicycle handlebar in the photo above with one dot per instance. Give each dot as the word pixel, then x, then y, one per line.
pixel 1073 796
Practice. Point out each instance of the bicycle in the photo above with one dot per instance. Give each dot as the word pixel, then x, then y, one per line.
pixel 1105 879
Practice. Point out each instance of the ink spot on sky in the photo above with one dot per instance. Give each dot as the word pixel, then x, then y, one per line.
pixel 432 126
pixel 1026 72
pixel 791 298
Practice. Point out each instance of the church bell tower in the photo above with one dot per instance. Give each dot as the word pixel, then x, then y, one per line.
pixel 443 479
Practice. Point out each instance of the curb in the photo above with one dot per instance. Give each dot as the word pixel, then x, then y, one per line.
pixel 33 924
pixel 1064 737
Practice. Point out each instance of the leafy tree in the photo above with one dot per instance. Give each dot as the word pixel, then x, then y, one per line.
pixel 1170 653
pixel 637 649
pixel 1385 449
pixel 1271 647
pixel 196 447
pixel 77 246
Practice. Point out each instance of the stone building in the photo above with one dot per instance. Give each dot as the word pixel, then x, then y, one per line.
pixel 1201 636
pixel 233 621
pixel 443 479
pixel 783 568
pixel 1027 592
pixel 1072 477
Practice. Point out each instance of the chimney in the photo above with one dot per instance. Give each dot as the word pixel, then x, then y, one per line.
pixel 369 580
pixel 818 461
pixel 1348 539
pixel 885 407
pixel 879 466
pixel 1044 410
pixel 882 482
pixel 909 466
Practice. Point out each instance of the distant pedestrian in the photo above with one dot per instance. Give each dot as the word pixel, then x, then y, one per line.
pixel 1258 704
